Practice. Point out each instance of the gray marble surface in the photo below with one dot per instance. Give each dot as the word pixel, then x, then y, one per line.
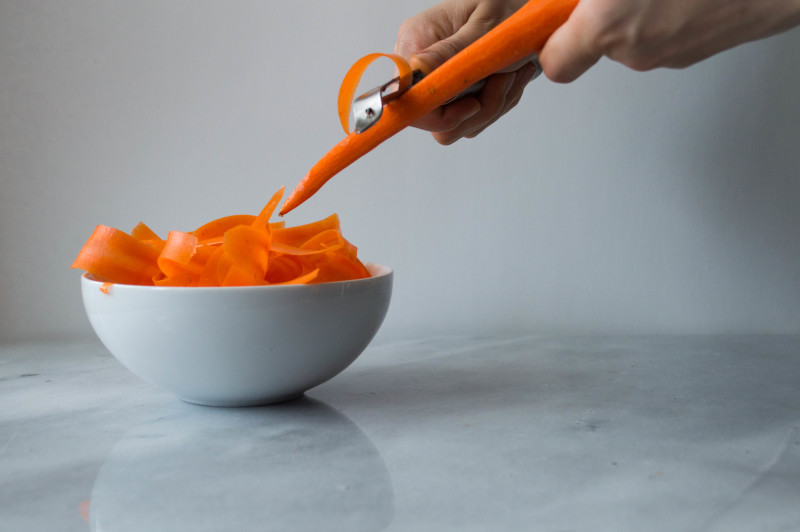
pixel 443 433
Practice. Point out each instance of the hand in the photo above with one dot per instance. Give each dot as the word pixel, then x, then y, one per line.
pixel 641 34
pixel 647 34
pixel 435 35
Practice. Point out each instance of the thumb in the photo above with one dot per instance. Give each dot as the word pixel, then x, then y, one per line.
pixel 439 52
pixel 570 51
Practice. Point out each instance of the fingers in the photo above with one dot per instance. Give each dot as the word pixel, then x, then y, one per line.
pixel 449 117
pixel 492 99
pixel 434 36
pixel 437 53
pixel 441 21
pixel 500 94
pixel 570 51
pixel 513 97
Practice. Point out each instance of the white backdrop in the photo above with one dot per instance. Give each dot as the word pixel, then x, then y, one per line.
pixel 664 202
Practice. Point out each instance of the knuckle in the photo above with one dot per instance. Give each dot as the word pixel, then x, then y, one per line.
pixel 494 106
pixel 411 37
pixel 451 122
pixel 447 48
pixel 408 27
pixel 641 58
pixel 641 46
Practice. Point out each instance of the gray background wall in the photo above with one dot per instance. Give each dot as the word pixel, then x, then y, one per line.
pixel 664 202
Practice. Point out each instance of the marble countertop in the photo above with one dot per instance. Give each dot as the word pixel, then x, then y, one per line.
pixel 442 433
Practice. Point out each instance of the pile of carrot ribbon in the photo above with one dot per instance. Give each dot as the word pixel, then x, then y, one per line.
pixel 237 250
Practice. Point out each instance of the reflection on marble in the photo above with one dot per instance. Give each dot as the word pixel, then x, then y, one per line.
pixel 577 434
pixel 286 467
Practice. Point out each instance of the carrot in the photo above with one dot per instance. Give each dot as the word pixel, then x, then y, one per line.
pixel 246 250
pixel 283 268
pixel 238 250
pixel 143 233
pixel 216 228
pixel 336 266
pixel 179 279
pixel 262 220
pixel 299 234
pixel 308 278
pixel 209 276
pixel 521 35
pixel 177 253
pixel 114 256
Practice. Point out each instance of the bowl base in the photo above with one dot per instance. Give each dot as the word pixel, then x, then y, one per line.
pixel 245 403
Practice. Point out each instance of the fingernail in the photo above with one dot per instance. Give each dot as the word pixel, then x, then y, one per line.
pixel 449 141
pixel 425 61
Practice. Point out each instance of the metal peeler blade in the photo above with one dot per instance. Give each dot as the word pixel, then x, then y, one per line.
pixel 368 107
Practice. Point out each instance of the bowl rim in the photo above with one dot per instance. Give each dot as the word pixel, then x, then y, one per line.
pixel 378 271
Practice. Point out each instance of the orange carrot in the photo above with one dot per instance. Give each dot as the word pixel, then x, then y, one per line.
pixel 143 233
pixel 262 220
pixel 308 278
pixel 300 234
pixel 337 267
pixel 283 268
pixel 521 35
pixel 209 276
pixel 285 249
pixel 114 256
pixel 216 228
pixel 247 249
pixel 179 279
pixel 238 250
pixel 177 253
pixel 328 240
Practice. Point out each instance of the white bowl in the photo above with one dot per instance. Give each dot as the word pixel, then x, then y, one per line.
pixel 239 346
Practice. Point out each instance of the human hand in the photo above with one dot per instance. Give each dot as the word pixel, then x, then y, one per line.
pixel 647 34
pixel 641 34
pixel 435 35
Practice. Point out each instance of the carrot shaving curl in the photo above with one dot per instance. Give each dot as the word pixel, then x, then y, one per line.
pixel 238 250
pixel 351 80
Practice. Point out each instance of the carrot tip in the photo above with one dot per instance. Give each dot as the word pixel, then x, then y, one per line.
pixel 290 203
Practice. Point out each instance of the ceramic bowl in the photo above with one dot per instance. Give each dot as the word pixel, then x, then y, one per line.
pixel 239 346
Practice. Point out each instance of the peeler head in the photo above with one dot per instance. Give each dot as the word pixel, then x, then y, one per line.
pixel 368 107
